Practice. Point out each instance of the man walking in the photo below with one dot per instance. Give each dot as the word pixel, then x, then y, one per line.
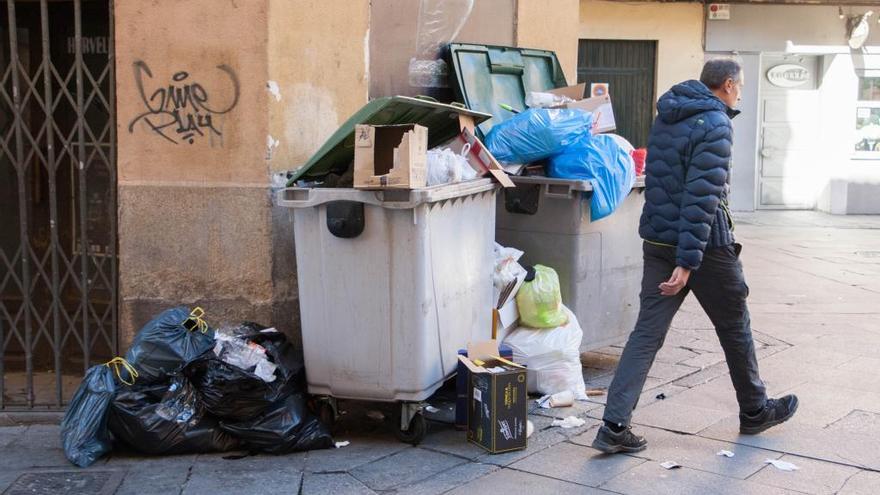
pixel 689 246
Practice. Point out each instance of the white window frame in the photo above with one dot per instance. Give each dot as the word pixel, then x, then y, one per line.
pixel 866 155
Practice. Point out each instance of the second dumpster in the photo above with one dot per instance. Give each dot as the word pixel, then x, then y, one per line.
pixel 599 263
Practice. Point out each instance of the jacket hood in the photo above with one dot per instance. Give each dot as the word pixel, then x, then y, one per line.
pixel 687 99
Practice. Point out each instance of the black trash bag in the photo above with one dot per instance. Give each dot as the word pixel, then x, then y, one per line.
pixel 84 433
pixel 288 426
pixel 167 419
pixel 167 343
pixel 235 394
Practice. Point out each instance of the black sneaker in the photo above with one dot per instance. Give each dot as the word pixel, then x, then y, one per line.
pixel 775 411
pixel 610 442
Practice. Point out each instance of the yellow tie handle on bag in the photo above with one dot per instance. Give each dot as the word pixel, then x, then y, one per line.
pixel 115 363
pixel 195 321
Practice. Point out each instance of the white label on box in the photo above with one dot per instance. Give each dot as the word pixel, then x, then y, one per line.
pixel 719 12
pixel 478 396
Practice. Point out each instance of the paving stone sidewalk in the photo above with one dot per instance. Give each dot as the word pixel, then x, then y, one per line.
pixel 815 289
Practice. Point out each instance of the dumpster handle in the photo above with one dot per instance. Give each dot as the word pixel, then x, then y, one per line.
pixel 558 191
pixel 391 199
pixel 306 198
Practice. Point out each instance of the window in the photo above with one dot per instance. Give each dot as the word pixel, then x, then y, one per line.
pixel 867 143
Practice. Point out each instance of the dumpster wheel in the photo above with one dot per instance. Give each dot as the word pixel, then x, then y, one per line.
pixel 414 435
pixel 411 425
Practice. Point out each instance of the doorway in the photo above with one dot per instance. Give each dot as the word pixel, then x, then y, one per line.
pixel 787 143
pixel 58 243
pixel 629 69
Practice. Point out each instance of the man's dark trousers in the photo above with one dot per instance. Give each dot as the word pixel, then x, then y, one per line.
pixel 721 290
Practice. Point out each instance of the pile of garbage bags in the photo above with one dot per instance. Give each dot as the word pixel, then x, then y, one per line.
pixel 547 339
pixel 185 388
pixel 563 137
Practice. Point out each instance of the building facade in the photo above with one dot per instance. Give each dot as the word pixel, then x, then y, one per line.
pixel 809 134
pixel 140 142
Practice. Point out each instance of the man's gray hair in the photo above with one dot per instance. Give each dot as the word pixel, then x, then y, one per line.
pixel 717 72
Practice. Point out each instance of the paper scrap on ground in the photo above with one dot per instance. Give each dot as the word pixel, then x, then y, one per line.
pixel 339 445
pixel 725 453
pixel 377 415
pixel 595 392
pixel 670 465
pixel 544 402
pixel 432 409
pixel 530 428
pixel 569 422
pixel 782 465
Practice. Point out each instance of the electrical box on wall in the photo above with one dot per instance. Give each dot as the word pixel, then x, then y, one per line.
pixel 719 11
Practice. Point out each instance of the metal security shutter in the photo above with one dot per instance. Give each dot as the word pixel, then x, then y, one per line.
pixel 629 68
pixel 58 258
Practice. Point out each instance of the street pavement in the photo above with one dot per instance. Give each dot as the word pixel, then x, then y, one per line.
pixel 815 302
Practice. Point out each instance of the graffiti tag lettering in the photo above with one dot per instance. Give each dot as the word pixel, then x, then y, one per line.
pixel 182 110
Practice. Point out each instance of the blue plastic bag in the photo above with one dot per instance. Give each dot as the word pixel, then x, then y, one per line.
pixel 169 342
pixel 538 133
pixel 602 162
pixel 84 433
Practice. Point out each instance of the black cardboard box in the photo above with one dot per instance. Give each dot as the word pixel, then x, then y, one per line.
pixel 497 404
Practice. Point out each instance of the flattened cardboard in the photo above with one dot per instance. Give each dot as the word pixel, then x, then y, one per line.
pixel 478 157
pixel 506 319
pixel 390 156
pixel 484 349
pixel 600 106
pixel 575 92
pixel 602 110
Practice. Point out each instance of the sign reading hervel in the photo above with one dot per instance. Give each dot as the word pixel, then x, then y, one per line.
pixel 788 75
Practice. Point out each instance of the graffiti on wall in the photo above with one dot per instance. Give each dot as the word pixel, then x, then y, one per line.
pixel 182 109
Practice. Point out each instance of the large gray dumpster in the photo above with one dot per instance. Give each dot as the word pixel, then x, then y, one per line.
pixel 599 263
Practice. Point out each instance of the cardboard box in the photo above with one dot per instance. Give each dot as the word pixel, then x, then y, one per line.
pixel 463 385
pixel 478 155
pixel 600 106
pixel 390 156
pixel 497 399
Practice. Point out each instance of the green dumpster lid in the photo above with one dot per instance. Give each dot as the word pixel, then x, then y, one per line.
pixel 485 77
pixel 338 152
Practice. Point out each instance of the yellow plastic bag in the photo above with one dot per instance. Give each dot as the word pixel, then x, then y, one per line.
pixel 540 300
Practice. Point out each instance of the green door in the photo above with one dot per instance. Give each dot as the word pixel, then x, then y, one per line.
pixel 628 67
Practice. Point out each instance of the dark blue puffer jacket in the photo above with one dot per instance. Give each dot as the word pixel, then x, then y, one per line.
pixel 686 173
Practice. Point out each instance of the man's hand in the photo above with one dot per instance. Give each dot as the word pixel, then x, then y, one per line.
pixel 676 282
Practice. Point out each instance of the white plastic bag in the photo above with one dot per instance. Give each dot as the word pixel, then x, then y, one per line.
pixel 446 167
pixel 507 268
pixel 539 99
pixel 622 142
pixel 553 357
pixel 439 23
pixel 245 355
